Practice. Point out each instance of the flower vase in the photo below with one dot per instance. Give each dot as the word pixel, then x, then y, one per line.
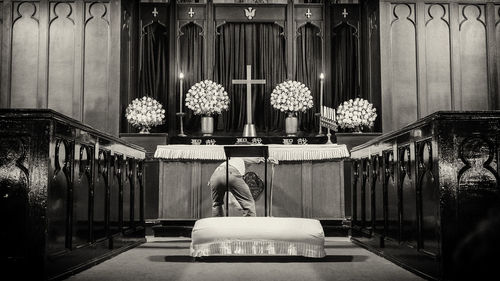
pixel 291 125
pixel 144 130
pixel 207 125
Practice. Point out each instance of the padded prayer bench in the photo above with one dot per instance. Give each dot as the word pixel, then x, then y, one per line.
pixel 252 236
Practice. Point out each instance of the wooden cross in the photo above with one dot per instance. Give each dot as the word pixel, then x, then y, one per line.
pixel 345 13
pixel 191 13
pixel 155 12
pixel 308 13
pixel 249 83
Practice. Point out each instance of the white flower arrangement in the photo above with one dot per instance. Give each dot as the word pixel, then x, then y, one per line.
pixel 207 98
pixel 356 114
pixel 291 97
pixel 145 113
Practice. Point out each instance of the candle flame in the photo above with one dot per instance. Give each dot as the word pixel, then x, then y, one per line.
pixel 321 76
pixel 181 75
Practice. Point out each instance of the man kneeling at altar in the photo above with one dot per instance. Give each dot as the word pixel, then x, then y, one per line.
pixel 237 185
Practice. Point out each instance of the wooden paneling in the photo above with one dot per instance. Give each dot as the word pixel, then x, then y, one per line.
pixel 473 58
pixel 327 202
pixel 407 194
pixel 435 56
pixel 404 64
pixel 1 45
pixel 175 186
pixel 426 182
pixel 82 188
pixel 101 186
pixel 61 57
pixel 497 35
pixel 96 74
pixel 392 203
pixel 316 191
pixel 378 194
pixel 291 193
pixel 115 195
pixel 25 46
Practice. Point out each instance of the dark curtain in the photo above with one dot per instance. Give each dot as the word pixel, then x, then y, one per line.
pixel 153 79
pixel 191 64
pixel 262 46
pixel 309 65
pixel 344 64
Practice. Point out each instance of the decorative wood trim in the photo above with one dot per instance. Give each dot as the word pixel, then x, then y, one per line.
pixel 491 57
pixel 77 98
pixel 420 48
pixel 404 170
pixel 388 172
pixel 365 168
pixel 172 75
pixel 261 12
pixel 374 177
pixel 43 55
pixel 342 200
pixel 422 168
pixel 210 42
pixel 196 184
pixel 6 58
pixel 307 200
pixel 161 182
pixel 290 43
pixel 497 46
pixel 354 198
pixel 456 89
pixel 385 64
pixel 327 49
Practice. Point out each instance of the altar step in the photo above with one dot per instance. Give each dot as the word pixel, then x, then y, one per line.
pixel 183 228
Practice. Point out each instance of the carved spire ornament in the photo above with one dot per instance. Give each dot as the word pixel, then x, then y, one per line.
pixel 191 13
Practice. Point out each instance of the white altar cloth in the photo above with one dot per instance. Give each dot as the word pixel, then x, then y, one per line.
pixel 277 151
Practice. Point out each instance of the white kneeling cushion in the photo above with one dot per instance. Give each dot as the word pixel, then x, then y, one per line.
pixel 250 236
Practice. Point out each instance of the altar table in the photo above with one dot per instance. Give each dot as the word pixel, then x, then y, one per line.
pixel 307 183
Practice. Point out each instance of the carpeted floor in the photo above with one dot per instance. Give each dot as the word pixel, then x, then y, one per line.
pixel 168 259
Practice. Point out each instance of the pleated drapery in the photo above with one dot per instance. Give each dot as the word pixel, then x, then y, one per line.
pixel 309 68
pixel 262 46
pixel 153 73
pixel 344 64
pixel 191 65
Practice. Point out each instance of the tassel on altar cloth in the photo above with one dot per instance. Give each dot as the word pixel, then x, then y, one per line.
pixel 278 152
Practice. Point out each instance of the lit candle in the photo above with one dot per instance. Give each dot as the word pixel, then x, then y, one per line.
pixel 321 80
pixel 181 78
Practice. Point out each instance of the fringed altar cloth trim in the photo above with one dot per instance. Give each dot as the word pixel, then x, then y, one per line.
pixel 257 247
pixel 278 152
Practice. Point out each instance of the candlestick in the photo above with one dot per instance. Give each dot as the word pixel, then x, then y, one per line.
pixel 181 79
pixel 180 113
pixel 321 83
